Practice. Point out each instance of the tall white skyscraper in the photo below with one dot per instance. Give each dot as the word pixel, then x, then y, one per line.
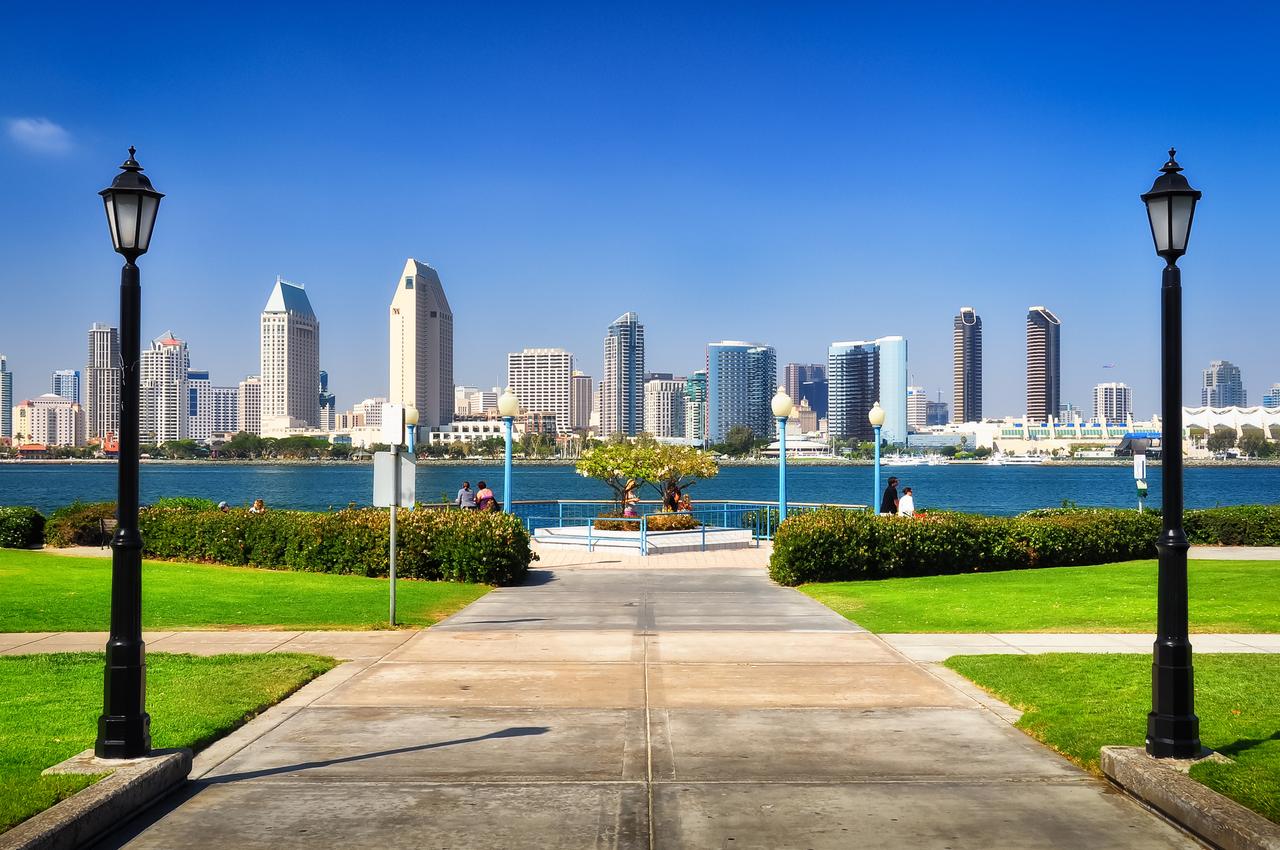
pixel 580 398
pixel 622 387
pixel 165 390
pixel 102 382
pixel 66 383
pixel 422 345
pixel 893 388
pixel 6 398
pixel 1112 402
pixel 542 378
pixel 664 407
pixel 917 408
pixel 1223 386
pixel 860 373
pixel 249 405
pixel 741 379
pixel 290 358
pixel 695 407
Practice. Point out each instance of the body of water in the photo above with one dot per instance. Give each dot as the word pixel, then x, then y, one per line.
pixel 972 488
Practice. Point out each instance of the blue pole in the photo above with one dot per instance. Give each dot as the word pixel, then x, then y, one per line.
pixel 506 469
pixel 782 469
pixel 875 497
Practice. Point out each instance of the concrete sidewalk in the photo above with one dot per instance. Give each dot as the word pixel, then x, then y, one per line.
pixel 938 647
pixel 367 646
pixel 614 708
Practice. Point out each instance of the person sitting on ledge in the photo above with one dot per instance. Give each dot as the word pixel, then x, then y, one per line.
pixel 484 497
pixel 258 507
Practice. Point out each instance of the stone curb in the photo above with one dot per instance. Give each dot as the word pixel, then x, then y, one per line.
pixel 101 807
pixel 1197 808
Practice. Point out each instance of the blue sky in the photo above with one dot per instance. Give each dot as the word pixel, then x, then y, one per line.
pixel 793 174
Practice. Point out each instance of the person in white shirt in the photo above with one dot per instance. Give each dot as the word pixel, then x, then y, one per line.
pixel 907 504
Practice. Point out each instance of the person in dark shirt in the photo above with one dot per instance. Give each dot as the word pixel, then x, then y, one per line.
pixel 889 503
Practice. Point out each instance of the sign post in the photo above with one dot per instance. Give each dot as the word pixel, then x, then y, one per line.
pixel 394 481
pixel 1140 477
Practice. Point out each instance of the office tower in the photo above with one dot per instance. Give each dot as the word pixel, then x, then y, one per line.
pixel 66 383
pixel 212 410
pixel 249 405
pixel 741 380
pixel 893 388
pixel 695 407
pixel 935 413
pixel 422 345
pixel 966 366
pixel 664 407
pixel 102 383
pixel 622 387
pixel 1223 386
pixel 165 390
pixel 6 399
pixel 1271 398
pixel 1069 413
pixel 580 401
pixel 542 379
pixel 817 393
pixel 49 420
pixel 796 374
pixel 290 358
pixel 1044 374
pixel 1112 402
pixel 485 401
pixel 917 408
pixel 462 397
pixel 853 377
pixel 328 404
pixel 805 416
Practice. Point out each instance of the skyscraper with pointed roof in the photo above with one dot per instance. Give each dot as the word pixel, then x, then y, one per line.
pixel 290 358
pixel 622 386
pixel 165 390
pixel 422 345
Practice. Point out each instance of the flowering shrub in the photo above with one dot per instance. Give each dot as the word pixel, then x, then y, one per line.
pixel 21 528
pixel 78 524
pixel 654 522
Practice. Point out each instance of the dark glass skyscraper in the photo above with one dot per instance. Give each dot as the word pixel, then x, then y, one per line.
pixel 966 367
pixel 1044 373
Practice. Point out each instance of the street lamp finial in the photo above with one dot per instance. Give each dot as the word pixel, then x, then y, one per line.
pixel 1172 167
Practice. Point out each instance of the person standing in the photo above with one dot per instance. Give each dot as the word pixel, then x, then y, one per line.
pixel 889 502
pixel 466 498
pixel 907 504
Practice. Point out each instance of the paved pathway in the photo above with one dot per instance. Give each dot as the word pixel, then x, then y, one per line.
pixel 338 644
pixel 631 709
pixel 936 647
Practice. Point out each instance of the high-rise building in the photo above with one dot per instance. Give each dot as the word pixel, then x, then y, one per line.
pixel 1112 402
pixel 328 404
pixel 966 366
pixel 695 407
pixel 422 345
pixel 917 408
pixel 249 405
pixel 290 358
pixel 893 388
pixel 542 378
pixel 860 373
pixel 817 393
pixel 1272 397
pixel 66 383
pixel 6 399
pixel 794 375
pixel 165 391
pixel 741 380
pixel 664 407
pixel 212 410
pixel 1223 386
pixel 935 413
pixel 580 394
pixel 622 387
pixel 102 383
pixel 50 420
pixel 1044 373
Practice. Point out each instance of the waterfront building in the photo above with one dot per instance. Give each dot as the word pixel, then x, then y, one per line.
pixel 6 399
pixel 860 373
pixel 1044 373
pixel 249 405
pixel 102 383
pixel 741 380
pixel 290 358
pixel 966 366
pixel 165 390
pixel 935 413
pixel 580 394
pixel 542 378
pixel 421 347
pixel 1223 386
pixel 695 408
pixel 48 420
pixel 473 432
pixel 1271 399
pixel 1112 402
pixel 917 408
pixel 212 410
pixel 795 375
pixel 664 407
pixel 66 383
pixel 328 404
pixel 622 386
pixel 370 412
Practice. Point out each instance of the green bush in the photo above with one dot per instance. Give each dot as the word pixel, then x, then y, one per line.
pixel 833 544
pixel 1237 525
pixel 78 524
pixel 21 528
pixel 186 503
pixel 488 547
pixel 654 522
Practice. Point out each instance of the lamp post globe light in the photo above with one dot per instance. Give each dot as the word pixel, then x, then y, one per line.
pixel 782 406
pixel 411 428
pixel 124 729
pixel 508 407
pixel 1173 730
pixel 876 418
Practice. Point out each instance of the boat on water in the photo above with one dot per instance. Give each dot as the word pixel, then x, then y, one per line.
pixel 1015 460
pixel 902 460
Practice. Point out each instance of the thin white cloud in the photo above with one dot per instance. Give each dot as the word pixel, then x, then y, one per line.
pixel 39 135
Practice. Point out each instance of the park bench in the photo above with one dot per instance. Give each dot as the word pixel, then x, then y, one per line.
pixel 107 528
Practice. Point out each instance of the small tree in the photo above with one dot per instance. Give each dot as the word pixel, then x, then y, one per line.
pixel 1253 441
pixel 739 440
pixel 681 466
pixel 1221 439
pixel 622 466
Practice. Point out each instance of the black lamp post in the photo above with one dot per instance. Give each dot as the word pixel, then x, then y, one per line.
pixel 1173 730
pixel 124 729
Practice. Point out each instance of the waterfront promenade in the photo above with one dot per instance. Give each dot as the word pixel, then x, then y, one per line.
pixel 641 707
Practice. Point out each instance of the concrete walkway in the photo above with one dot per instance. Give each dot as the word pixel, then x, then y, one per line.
pixel 351 645
pixel 611 708
pixel 937 647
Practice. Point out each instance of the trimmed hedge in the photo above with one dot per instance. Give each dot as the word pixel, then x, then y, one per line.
pixel 21 528
pixel 78 524
pixel 1240 525
pixel 473 546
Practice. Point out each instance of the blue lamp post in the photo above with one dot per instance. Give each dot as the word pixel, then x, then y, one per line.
pixel 781 405
pixel 876 418
pixel 508 407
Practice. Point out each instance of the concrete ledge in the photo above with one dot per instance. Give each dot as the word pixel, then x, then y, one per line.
pixel 1164 785
pixel 75 822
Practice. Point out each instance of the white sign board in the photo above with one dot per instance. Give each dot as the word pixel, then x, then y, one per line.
pixel 384 473
pixel 1139 467
pixel 392 424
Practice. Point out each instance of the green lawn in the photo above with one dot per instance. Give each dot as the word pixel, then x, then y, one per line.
pixel 49 707
pixel 1226 597
pixel 40 592
pixel 1079 703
